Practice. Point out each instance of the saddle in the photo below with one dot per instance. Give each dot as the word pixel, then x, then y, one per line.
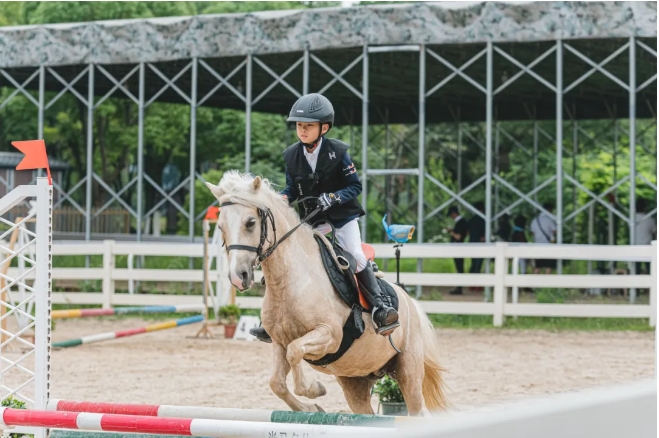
pixel 341 272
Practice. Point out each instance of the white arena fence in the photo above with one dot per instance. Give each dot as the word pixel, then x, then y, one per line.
pixel 500 279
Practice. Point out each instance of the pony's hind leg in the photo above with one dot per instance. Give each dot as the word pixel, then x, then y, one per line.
pixel 409 375
pixel 278 381
pixel 357 391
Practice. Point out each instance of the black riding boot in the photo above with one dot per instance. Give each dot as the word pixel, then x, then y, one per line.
pixel 260 334
pixel 384 317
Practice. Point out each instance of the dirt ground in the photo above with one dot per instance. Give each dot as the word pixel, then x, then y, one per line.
pixel 484 366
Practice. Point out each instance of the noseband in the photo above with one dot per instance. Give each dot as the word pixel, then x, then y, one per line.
pixel 265 216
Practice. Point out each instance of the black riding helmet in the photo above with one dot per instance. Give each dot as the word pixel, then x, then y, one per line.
pixel 312 107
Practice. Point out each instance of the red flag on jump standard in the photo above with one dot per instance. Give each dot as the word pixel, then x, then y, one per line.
pixel 212 213
pixel 35 156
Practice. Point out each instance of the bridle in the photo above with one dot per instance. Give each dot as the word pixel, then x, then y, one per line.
pixel 265 216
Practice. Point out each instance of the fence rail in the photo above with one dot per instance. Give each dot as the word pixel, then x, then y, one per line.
pixel 500 279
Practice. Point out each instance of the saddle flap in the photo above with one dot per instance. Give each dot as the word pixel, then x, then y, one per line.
pixel 344 282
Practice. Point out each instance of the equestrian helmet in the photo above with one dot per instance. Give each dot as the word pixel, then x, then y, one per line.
pixel 312 107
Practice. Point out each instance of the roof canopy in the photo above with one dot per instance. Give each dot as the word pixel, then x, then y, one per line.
pixel 336 36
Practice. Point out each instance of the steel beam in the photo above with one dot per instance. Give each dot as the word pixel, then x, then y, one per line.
pixel 559 145
pixel 140 151
pixel 632 156
pixel 193 147
pixel 248 114
pixel 489 108
pixel 90 156
pixel 364 97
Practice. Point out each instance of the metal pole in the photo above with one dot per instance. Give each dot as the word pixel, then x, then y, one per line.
pixel 615 151
pixel 305 73
pixel 365 141
pixel 575 146
pixel 488 144
pixel 422 155
pixel 193 148
pixel 140 151
pixel 535 156
pixel 248 113
pixel 42 106
pixel 591 228
pixel 559 149
pixel 42 98
pixel 496 167
pixel 459 152
pixel 632 156
pixel 90 156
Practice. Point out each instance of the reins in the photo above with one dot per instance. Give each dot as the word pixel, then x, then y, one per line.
pixel 265 216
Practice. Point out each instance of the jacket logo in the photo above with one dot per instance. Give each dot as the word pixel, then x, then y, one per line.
pixel 332 155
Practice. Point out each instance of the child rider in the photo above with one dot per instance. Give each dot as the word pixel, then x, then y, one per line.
pixel 320 167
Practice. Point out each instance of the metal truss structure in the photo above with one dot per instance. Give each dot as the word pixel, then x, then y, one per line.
pixel 347 75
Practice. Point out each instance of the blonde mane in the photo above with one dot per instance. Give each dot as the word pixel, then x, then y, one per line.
pixel 238 187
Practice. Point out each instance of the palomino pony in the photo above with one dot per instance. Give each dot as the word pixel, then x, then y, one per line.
pixel 304 315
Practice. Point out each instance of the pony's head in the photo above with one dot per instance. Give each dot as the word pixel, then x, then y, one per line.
pixel 246 206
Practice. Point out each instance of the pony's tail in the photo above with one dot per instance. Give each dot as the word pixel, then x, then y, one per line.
pixel 433 385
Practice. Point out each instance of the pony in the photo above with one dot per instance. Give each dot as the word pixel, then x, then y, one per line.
pixel 304 315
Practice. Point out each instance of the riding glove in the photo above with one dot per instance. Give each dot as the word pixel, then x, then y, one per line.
pixel 326 200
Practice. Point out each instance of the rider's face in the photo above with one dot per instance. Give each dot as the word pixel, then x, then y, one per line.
pixel 310 131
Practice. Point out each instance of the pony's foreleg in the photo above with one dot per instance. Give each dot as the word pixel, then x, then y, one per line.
pixel 318 341
pixel 278 381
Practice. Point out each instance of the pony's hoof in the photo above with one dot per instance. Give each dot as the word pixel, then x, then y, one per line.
pixel 320 389
pixel 319 409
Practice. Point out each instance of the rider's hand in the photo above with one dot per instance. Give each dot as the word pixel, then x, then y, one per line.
pixel 326 200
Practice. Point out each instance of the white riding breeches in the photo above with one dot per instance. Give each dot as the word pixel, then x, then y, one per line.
pixel 350 238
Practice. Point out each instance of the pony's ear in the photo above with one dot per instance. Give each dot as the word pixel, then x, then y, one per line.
pixel 256 184
pixel 215 190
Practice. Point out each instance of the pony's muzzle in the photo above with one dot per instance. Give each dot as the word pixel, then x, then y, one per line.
pixel 242 280
pixel 247 278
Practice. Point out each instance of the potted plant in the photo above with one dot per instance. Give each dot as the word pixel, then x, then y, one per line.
pixel 229 315
pixel 391 398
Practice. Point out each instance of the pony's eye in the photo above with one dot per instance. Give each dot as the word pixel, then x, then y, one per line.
pixel 250 223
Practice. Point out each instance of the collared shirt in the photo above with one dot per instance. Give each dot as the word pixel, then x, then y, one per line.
pixel 645 229
pixel 543 228
pixel 312 158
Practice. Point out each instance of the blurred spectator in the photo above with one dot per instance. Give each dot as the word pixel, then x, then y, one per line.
pixel 458 234
pixel 645 231
pixel 543 228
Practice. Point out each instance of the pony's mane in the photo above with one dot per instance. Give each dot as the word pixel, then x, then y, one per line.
pixel 238 187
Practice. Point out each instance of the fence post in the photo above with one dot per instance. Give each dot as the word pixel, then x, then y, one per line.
pixel 653 286
pixel 108 267
pixel 499 274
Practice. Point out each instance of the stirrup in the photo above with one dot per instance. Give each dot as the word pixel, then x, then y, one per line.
pixel 385 329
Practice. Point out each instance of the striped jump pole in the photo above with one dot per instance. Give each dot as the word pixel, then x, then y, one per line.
pixel 258 415
pixel 129 332
pixel 175 426
pixel 79 313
